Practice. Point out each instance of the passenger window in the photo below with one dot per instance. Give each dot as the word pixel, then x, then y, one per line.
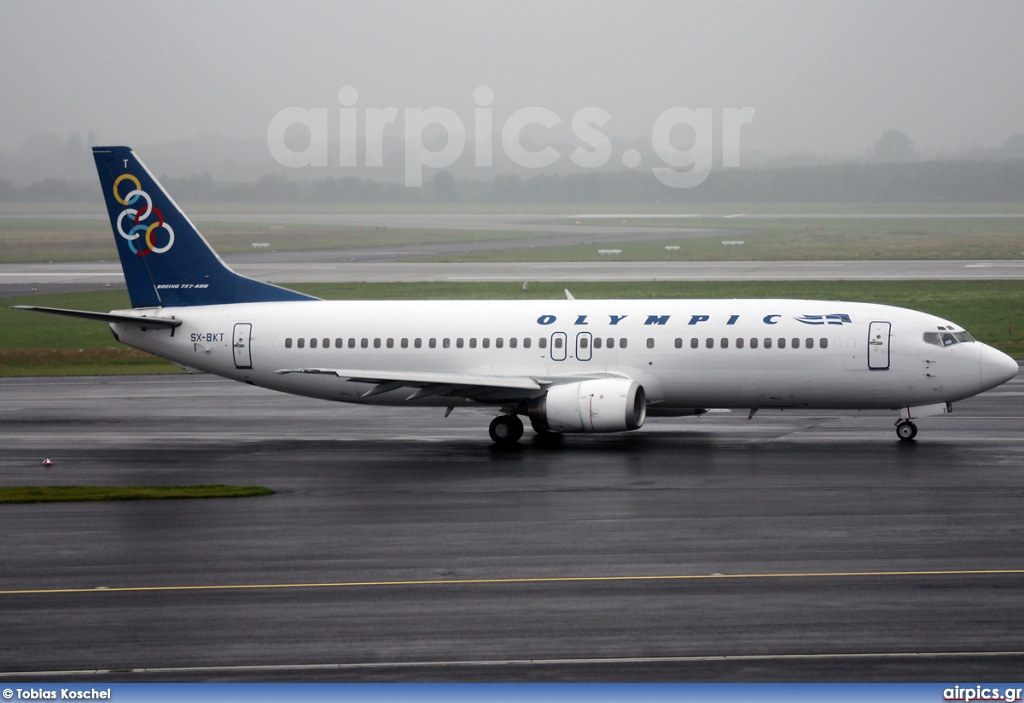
pixel 694 343
pixel 526 342
pixel 513 343
pixel 725 343
pixel 418 343
pixel 302 343
pixel 327 343
pixel 709 343
pixel 390 343
pixel 339 342
pixel 446 343
pixel 739 343
pixel 622 343
pixel 650 342
pixel 767 342
pixel 753 342
pixel 558 342
pixel 679 343
pixel 796 342
pixel 364 342
pixel 583 343
pixel 610 343
pixel 459 343
pixel 405 342
pixel 312 343
pixel 542 343
pixel 352 343
pixel 823 343
pixel 288 343
pixel 809 343
pixel 485 342
pixel 597 342
pixel 376 342
pixel 499 343
pixel 782 342
pixel 432 343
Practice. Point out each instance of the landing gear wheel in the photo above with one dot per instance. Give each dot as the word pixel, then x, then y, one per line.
pixel 906 430
pixel 506 429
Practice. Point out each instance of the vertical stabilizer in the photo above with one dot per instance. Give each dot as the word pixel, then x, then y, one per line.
pixel 165 259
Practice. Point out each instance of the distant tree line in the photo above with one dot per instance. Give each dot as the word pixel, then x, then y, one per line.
pixel 921 181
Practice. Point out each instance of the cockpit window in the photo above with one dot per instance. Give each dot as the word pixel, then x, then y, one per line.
pixel 947 339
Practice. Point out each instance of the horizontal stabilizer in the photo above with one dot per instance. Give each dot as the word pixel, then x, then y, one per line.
pixel 140 321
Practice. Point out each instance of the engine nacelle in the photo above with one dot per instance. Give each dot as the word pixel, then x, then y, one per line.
pixel 602 405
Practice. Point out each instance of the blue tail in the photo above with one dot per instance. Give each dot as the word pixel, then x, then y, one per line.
pixel 166 262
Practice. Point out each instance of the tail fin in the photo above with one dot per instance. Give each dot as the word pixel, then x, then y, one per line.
pixel 166 261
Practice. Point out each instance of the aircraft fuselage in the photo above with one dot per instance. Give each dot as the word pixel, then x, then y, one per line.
pixel 685 353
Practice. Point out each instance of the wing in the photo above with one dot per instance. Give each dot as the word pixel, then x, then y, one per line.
pixel 427 383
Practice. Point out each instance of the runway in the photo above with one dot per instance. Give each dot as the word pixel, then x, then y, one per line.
pixel 400 545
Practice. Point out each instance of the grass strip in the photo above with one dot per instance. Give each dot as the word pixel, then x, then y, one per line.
pixel 68 494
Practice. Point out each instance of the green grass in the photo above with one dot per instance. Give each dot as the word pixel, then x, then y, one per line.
pixel 25 240
pixel 766 239
pixel 33 344
pixel 64 494
pixel 793 240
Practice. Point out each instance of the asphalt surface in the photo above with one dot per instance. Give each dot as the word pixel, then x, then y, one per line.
pixel 400 545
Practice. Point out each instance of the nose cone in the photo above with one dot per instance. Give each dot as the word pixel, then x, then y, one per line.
pixel 996 367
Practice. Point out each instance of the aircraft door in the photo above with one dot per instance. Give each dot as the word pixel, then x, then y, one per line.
pixel 558 346
pixel 878 345
pixel 240 343
pixel 584 342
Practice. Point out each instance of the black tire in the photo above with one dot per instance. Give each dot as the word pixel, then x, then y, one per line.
pixel 506 429
pixel 906 430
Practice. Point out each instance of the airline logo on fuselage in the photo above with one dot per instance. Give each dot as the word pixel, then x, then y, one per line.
pixel 834 319
pixel 142 236
pixel 773 319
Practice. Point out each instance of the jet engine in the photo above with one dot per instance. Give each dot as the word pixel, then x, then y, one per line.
pixel 601 405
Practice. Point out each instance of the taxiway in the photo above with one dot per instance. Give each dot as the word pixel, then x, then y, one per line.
pixel 400 545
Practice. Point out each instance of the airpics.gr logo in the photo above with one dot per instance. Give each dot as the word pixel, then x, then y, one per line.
pixel 140 228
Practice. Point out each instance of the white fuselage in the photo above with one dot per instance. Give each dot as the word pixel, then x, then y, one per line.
pixel 685 353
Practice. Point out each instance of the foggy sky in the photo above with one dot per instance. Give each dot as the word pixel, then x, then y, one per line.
pixel 824 77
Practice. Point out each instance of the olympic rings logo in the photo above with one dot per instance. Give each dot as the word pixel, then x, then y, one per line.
pixel 140 229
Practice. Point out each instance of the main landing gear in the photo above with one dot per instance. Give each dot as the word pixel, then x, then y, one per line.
pixel 506 430
pixel 906 430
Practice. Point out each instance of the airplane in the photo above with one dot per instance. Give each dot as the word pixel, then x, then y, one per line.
pixel 569 366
